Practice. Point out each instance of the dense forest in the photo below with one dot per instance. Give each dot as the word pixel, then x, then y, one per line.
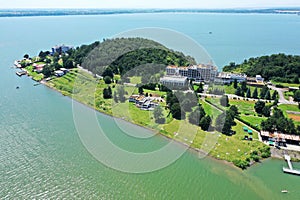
pixel 117 56
pixel 277 67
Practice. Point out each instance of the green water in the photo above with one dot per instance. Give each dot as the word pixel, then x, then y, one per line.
pixel 41 155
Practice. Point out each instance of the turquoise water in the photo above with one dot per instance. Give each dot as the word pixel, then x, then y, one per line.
pixel 42 155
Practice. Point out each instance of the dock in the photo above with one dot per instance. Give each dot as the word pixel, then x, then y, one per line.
pixel 21 73
pixel 290 170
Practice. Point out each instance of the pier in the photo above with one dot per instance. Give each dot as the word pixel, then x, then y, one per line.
pixel 290 170
pixel 21 73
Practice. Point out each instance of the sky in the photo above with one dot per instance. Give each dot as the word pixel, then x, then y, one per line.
pixel 148 3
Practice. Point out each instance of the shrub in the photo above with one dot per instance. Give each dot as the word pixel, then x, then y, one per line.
pixel 243 164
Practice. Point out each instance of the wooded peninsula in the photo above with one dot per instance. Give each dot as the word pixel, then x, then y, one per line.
pixel 123 77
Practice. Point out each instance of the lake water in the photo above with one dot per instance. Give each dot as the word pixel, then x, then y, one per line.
pixel 41 155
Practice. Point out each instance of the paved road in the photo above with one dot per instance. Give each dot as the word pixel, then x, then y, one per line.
pixel 281 91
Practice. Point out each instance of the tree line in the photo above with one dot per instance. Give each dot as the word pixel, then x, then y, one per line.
pixel 277 67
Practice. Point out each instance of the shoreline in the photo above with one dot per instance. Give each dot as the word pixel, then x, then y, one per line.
pixel 35 12
pixel 182 144
pixel 157 132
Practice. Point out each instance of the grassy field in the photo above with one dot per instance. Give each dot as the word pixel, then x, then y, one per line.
pixel 229 89
pixel 287 95
pixel 246 110
pixel 286 84
pixel 135 79
pixel 285 107
pixel 293 108
pixel 35 76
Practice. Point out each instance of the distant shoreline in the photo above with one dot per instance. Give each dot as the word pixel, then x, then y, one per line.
pixel 72 12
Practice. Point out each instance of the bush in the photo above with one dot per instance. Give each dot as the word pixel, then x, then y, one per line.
pixel 107 80
pixel 243 164
pixel 255 157
pixel 279 86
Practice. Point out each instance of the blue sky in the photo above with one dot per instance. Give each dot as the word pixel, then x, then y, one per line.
pixel 148 3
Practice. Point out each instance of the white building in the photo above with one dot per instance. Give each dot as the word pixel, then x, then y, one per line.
pixel 200 72
pixel 227 77
pixel 61 49
pixel 174 81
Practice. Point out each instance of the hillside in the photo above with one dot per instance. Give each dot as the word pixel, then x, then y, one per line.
pixel 122 54
pixel 277 67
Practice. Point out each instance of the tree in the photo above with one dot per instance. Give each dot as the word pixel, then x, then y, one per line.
pixel 224 101
pixel 171 99
pixel 116 97
pixel 244 86
pixel 108 72
pixel 202 112
pixel 255 93
pixel 268 95
pixel 26 56
pixel 121 94
pixel 220 120
pixel 69 64
pixel 242 93
pixel 266 111
pixel 274 95
pixel 107 93
pixel 141 90
pixel 176 111
pixel 263 92
pixel 107 80
pixel 193 98
pixel 158 115
pixel 205 123
pixel 194 117
pixel 42 55
pixel 186 105
pixel 224 122
pixel 235 84
pixel 200 88
pixel 297 96
pixel 238 91
pixel 48 70
pixel 227 126
pixel 234 110
pixel 296 79
pixel 248 93
pixel 259 105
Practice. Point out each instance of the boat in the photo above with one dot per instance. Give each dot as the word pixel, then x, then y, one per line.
pixel 17 87
pixel 284 191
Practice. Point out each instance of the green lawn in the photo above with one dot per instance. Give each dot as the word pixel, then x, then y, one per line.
pixel 285 107
pixel 135 79
pixel 229 89
pixel 233 147
pixel 254 120
pixel 35 76
pixel 287 95
pixel 286 84
pixel 294 108
pixel 245 107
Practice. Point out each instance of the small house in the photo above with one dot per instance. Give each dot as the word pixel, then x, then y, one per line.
pixel 59 73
